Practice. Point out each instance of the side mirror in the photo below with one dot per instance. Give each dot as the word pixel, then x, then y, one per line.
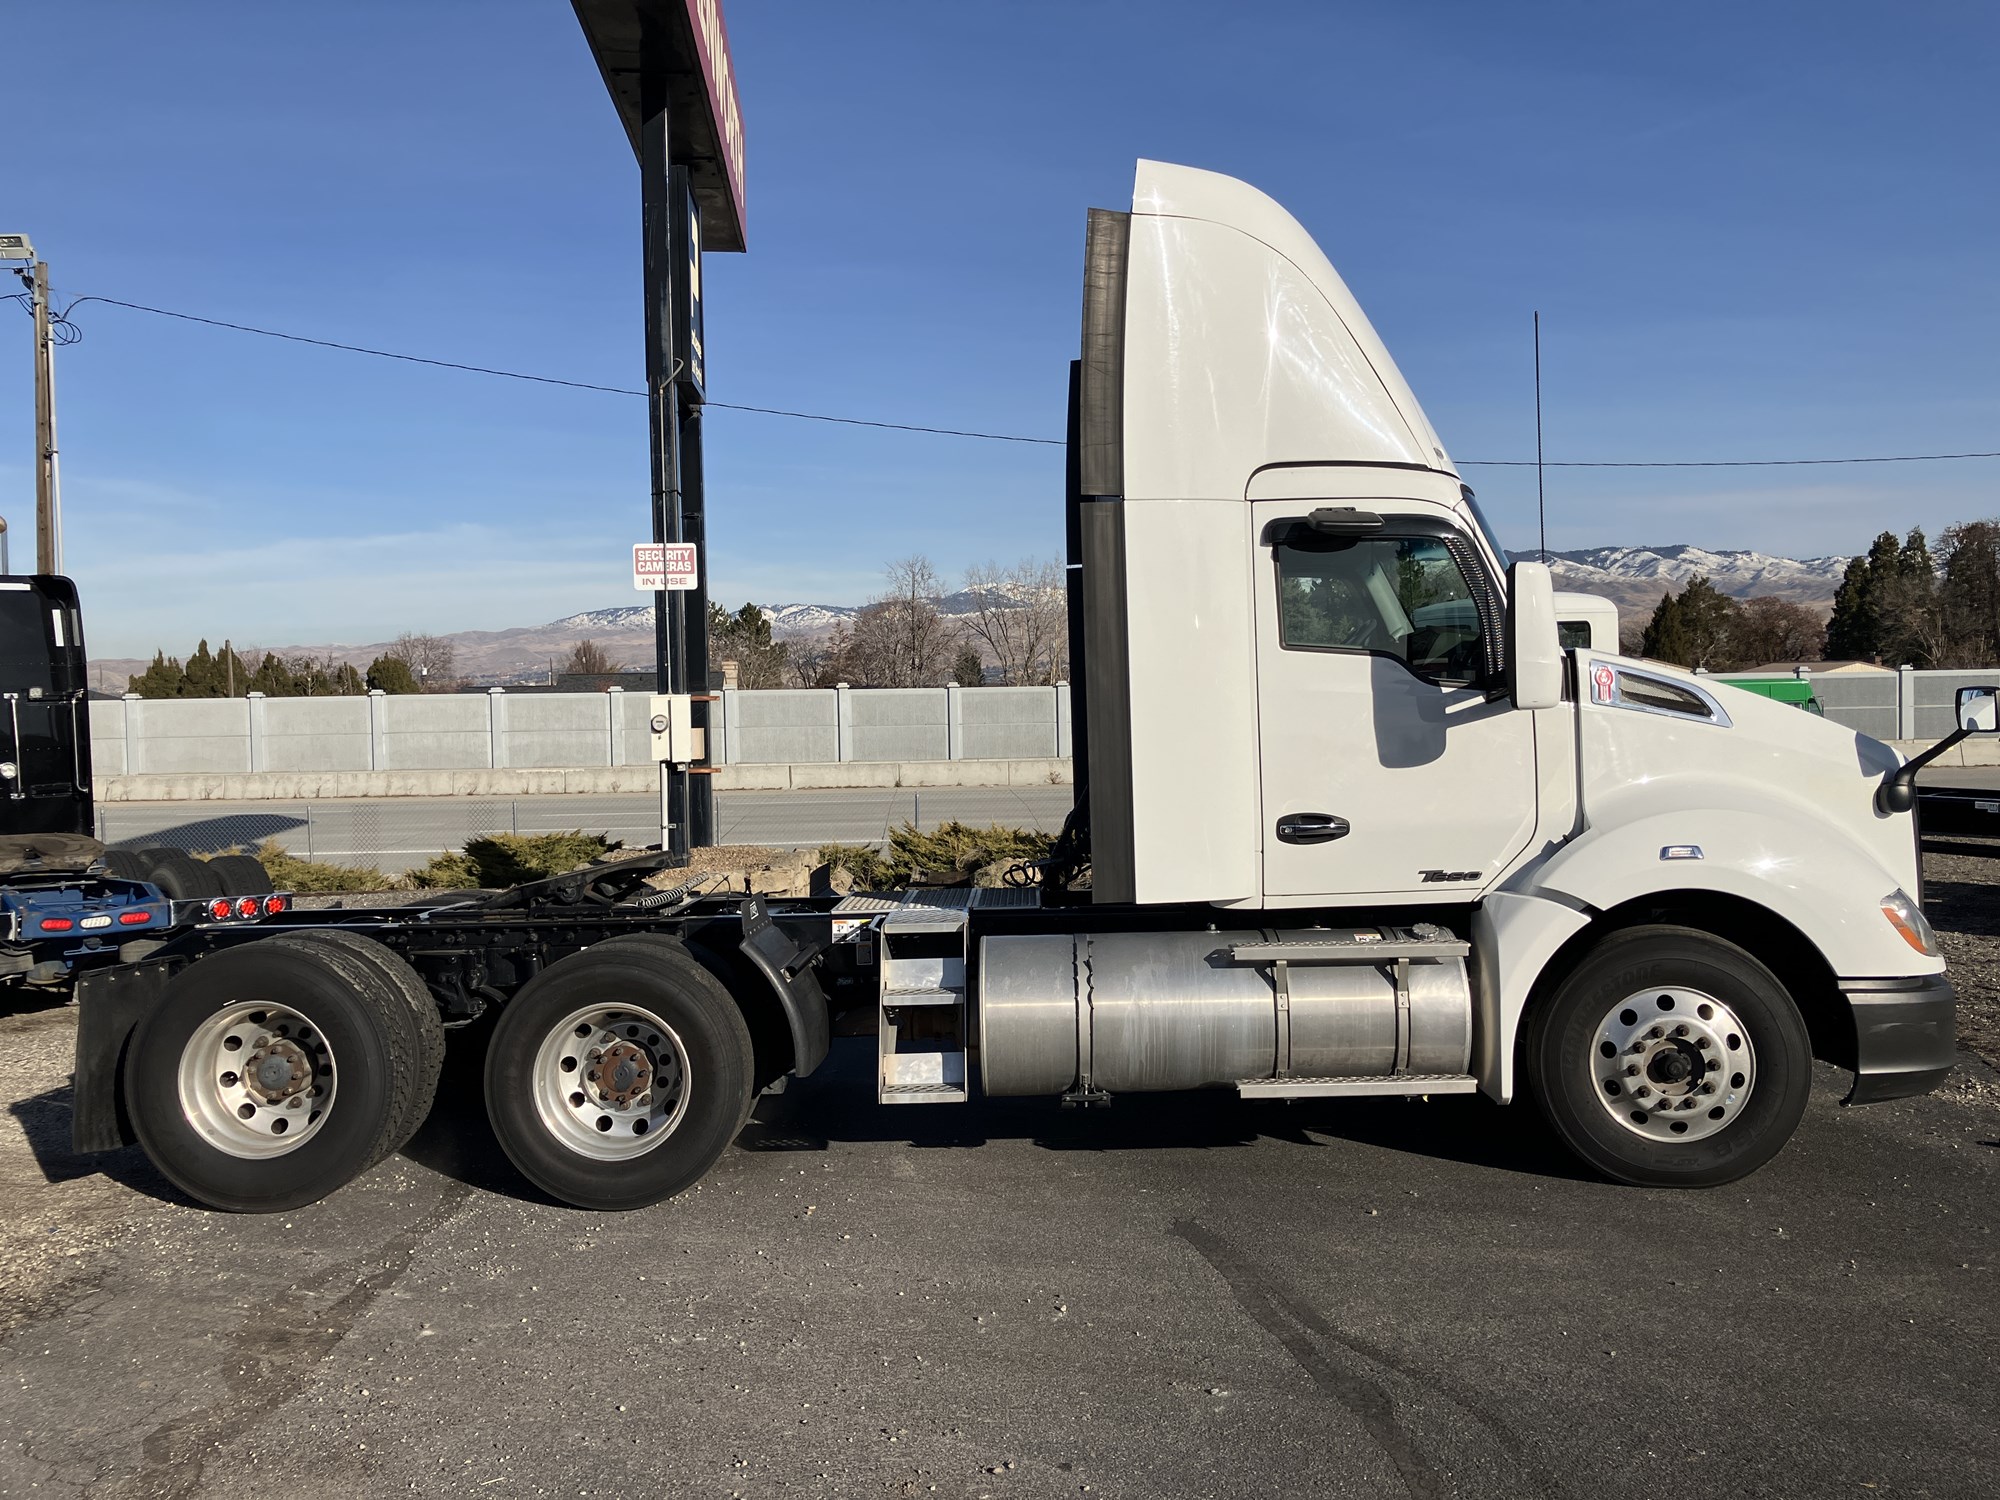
pixel 1978 710
pixel 1534 650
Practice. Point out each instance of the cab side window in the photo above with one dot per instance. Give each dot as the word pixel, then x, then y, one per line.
pixel 1404 597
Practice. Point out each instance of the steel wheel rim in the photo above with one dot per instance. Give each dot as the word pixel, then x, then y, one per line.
pixel 1673 1064
pixel 257 1080
pixel 611 1081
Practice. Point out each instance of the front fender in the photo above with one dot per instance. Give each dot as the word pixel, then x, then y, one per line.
pixel 1823 884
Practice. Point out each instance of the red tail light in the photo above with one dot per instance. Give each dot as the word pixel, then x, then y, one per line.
pixel 220 908
pixel 248 906
pixel 273 905
pixel 134 918
pixel 57 924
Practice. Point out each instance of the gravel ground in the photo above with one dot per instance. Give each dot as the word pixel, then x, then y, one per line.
pixel 1170 1297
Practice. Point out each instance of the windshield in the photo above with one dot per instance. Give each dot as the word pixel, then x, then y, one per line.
pixel 1486 530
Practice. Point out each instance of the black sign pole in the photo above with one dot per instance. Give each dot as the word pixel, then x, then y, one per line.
pixel 691 376
pixel 663 390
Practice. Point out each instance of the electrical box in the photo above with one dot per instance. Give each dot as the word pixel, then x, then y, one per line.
pixel 675 739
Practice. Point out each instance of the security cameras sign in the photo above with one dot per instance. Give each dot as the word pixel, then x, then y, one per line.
pixel 663 565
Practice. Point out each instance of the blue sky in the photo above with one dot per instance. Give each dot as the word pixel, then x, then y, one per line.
pixel 1752 230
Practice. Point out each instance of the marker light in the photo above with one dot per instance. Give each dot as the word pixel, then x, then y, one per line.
pixel 134 918
pixel 1908 919
pixel 248 906
pixel 57 924
pixel 273 905
pixel 221 908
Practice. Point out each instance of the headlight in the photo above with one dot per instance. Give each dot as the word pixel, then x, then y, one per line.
pixel 1908 918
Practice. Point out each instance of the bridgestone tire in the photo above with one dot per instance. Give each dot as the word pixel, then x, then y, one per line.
pixel 1566 1054
pixel 646 973
pixel 352 1010
pixel 180 875
pixel 126 864
pixel 241 875
pixel 425 1033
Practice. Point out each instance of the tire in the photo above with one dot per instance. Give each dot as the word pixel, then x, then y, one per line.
pixel 126 864
pixel 180 875
pixel 241 874
pixel 682 1055
pixel 1684 1030
pixel 424 1032
pixel 342 1024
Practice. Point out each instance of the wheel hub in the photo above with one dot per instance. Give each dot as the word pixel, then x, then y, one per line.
pixel 620 1074
pixel 277 1070
pixel 1673 1064
pixel 256 1080
pixel 611 1082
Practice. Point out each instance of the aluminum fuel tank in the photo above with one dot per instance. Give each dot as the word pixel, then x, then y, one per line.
pixel 1147 1011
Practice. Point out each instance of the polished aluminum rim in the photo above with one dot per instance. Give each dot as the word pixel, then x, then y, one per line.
pixel 1673 1064
pixel 611 1081
pixel 257 1080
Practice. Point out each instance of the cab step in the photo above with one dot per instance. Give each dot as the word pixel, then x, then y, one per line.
pixel 1385 1083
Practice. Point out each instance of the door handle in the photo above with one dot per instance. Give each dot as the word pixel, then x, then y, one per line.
pixel 1311 828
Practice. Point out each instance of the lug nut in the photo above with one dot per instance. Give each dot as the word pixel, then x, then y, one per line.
pixel 1641 1091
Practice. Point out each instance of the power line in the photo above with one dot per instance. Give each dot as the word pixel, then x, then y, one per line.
pixel 992 437
pixel 299 338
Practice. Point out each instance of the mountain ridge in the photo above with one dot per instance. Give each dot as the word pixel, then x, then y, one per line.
pixel 1631 577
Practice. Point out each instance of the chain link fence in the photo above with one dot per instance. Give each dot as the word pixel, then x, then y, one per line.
pixel 397 834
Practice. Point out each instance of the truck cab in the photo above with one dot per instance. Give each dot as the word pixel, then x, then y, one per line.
pixel 1352 818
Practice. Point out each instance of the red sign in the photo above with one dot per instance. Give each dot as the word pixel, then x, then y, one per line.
pixel 711 40
pixel 663 565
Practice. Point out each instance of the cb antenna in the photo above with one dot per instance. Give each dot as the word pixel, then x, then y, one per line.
pixel 1541 497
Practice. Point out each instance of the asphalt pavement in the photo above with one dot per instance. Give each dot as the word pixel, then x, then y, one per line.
pixel 1174 1296
pixel 395 833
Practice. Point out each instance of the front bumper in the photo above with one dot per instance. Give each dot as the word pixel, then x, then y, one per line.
pixel 1905 1035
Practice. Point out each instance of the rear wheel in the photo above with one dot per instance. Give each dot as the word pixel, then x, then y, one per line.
pixel 1671 1058
pixel 619 1075
pixel 241 874
pixel 424 1028
pixel 269 1075
pixel 180 875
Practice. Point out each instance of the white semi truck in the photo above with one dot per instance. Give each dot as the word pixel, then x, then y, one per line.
pixel 1350 821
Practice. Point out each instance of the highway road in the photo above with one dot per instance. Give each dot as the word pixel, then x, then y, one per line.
pixel 395 833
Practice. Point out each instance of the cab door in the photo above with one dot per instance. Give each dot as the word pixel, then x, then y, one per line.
pixel 1391 764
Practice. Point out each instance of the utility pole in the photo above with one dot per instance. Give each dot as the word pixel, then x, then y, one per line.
pixel 48 484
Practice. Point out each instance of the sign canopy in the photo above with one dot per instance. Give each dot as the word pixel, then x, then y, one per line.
pixel 674 54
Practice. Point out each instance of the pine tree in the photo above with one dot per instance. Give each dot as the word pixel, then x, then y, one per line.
pixel 1853 634
pixel 391 674
pixel 273 678
pixel 967 670
pixel 165 678
pixel 1666 637
pixel 1707 615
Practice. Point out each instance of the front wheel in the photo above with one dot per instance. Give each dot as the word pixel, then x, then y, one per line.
pixel 619 1075
pixel 1671 1058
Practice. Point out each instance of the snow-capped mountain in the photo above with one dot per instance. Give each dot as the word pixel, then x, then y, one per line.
pixel 1632 577
pixel 1636 576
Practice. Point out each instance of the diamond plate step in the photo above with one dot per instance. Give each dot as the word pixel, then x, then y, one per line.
pixel 1388 1083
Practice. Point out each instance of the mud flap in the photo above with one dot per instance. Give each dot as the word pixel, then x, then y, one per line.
pixel 788 968
pixel 110 1003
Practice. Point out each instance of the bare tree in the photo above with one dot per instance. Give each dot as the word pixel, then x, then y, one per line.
pixel 1767 629
pixel 433 659
pixel 900 639
pixel 1020 617
pixel 810 663
pixel 588 659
